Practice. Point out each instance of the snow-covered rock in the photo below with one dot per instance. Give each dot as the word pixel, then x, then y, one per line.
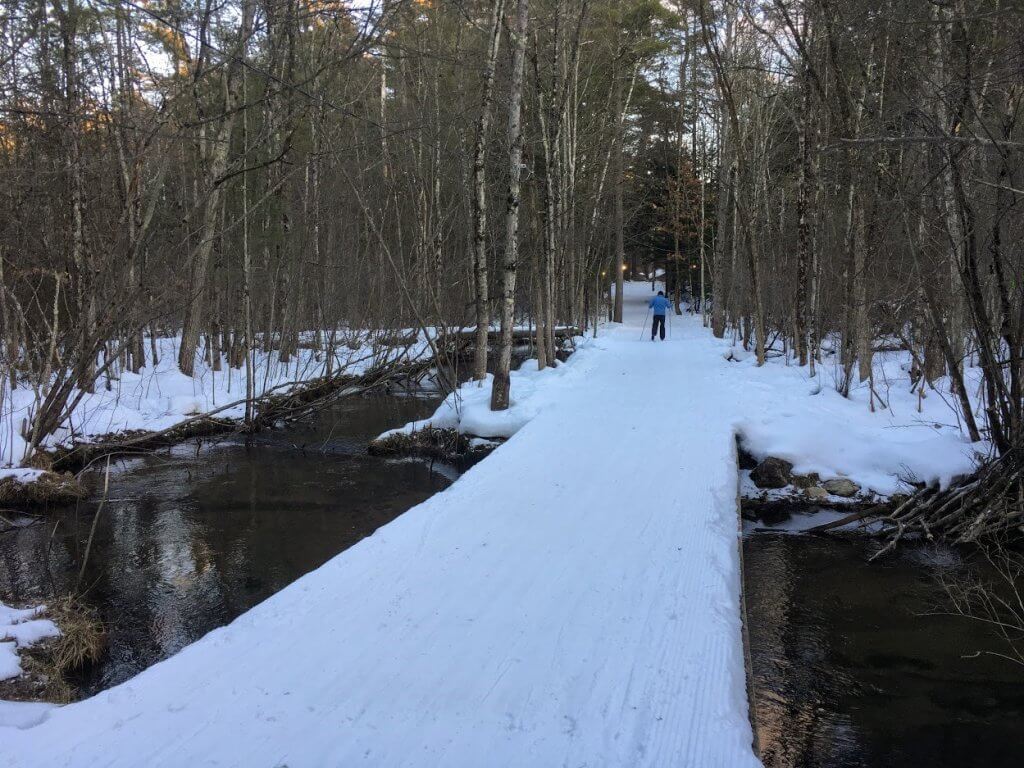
pixel 783 412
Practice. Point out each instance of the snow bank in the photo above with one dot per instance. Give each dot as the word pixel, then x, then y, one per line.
pixel 160 396
pixel 20 474
pixel 468 409
pixel 20 628
pixel 785 413
pixel 778 410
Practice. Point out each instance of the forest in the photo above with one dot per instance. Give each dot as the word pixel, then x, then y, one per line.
pixel 242 242
pixel 827 177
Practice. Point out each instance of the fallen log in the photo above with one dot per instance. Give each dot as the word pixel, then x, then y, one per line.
pixel 286 402
pixel 847 519
pixel 519 334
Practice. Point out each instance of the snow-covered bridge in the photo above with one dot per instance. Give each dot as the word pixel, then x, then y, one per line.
pixel 574 600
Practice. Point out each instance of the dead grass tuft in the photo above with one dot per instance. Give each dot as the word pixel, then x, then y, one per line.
pixel 82 637
pixel 41 460
pixel 48 489
pixel 443 444
pixel 47 665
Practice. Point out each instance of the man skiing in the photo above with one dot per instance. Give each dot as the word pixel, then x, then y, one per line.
pixel 659 304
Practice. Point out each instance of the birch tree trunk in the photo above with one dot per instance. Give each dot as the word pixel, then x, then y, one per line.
pixel 724 181
pixel 618 224
pixel 500 390
pixel 725 245
pixel 481 298
pixel 803 224
pixel 250 343
pixel 85 290
pixel 742 215
pixel 942 31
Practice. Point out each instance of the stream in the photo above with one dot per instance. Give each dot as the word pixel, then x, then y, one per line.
pixel 860 664
pixel 851 664
pixel 193 537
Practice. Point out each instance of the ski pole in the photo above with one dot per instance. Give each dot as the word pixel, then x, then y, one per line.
pixel 644 326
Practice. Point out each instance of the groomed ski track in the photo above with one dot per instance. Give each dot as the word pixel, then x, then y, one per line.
pixel 573 600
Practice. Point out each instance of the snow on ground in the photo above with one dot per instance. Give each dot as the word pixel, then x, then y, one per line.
pixel 20 628
pixel 778 410
pixel 469 408
pixel 574 599
pixel 20 474
pixel 787 414
pixel 161 396
pixel 571 600
pixel 23 714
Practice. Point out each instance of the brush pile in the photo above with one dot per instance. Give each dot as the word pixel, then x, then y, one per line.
pixel 990 502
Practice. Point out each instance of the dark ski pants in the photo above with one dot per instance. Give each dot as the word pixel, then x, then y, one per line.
pixel 659 322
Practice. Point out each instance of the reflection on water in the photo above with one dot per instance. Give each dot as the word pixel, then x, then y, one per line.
pixel 852 667
pixel 189 540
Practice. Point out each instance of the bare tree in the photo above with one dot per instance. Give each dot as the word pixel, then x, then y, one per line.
pixel 500 389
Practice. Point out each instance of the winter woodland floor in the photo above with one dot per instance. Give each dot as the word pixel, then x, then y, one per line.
pixel 572 600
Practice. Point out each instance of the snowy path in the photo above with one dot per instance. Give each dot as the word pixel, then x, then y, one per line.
pixel 571 601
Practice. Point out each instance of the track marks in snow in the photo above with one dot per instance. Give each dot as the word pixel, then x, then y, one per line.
pixel 572 600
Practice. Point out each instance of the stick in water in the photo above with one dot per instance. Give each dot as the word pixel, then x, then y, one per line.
pixel 95 520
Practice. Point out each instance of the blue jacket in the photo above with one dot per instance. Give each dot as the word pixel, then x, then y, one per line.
pixel 659 304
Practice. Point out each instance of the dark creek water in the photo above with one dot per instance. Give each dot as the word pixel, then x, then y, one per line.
pixel 853 664
pixel 191 539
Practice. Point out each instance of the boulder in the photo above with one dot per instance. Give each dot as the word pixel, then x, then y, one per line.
pixel 806 481
pixel 815 493
pixel 772 473
pixel 842 486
